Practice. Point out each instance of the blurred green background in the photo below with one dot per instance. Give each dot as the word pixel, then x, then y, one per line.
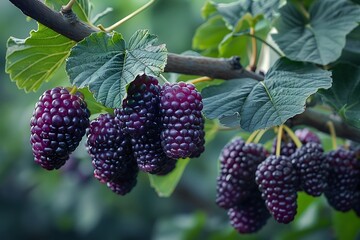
pixel 71 204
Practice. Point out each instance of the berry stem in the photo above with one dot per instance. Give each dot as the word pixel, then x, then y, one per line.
pixel 73 90
pixel 128 17
pixel 68 6
pixel 163 78
pixel 278 141
pixel 253 50
pixel 200 79
pixel 259 135
pixel 264 42
pixel 252 136
pixel 332 133
pixel 293 136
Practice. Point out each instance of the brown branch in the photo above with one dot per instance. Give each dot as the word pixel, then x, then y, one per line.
pixel 66 24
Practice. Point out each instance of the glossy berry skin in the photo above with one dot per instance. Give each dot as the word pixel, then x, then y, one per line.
pixel 182 121
pixel 311 167
pixel 343 179
pixel 149 154
pixel 58 124
pixel 277 181
pixel 249 216
pixel 123 184
pixel 238 163
pixel 141 106
pixel 287 147
pixel 306 136
pixel 110 149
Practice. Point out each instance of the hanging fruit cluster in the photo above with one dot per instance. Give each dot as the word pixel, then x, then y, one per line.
pixel 155 126
pixel 254 184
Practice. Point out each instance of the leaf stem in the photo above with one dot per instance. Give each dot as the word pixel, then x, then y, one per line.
pixel 278 140
pixel 331 127
pixel 293 136
pixel 266 43
pixel 73 90
pixel 253 50
pixel 200 79
pixel 128 17
pixel 68 6
pixel 163 78
pixel 252 137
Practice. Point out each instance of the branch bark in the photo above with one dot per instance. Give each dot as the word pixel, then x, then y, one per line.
pixel 66 24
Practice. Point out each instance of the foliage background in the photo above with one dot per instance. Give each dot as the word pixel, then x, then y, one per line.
pixel 36 204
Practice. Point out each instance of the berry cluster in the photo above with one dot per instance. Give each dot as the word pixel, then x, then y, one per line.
pixel 253 185
pixel 155 127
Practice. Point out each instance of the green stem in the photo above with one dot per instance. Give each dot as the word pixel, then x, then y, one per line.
pixel 252 136
pixel 265 42
pixel 293 136
pixel 332 133
pixel 73 90
pixel 259 135
pixel 278 141
pixel 68 6
pixel 163 78
pixel 131 15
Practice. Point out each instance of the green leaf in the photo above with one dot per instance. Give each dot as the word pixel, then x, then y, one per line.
pixel 235 11
pixel 165 185
pixel 343 96
pixel 346 225
pixel 106 64
pixel 34 60
pixel 92 104
pixel 321 38
pixel 271 102
pixel 210 34
pixel 208 9
pixel 82 8
pixel 351 51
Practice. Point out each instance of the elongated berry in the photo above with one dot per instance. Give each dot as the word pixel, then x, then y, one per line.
pixel 182 121
pixel 238 163
pixel 141 106
pixel 58 124
pixel 278 183
pixel 110 149
pixel 249 216
pixel 311 167
pixel 343 179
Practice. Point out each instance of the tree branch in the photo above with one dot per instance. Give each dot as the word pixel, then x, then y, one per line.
pixel 67 24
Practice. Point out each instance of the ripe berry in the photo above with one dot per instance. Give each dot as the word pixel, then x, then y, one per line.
pixel 238 163
pixel 311 167
pixel 149 154
pixel 278 183
pixel 58 124
pixel 305 136
pixel 249 216
pixel 343 179
pixel 123 184
pixel 288 147
pixel 182 122
pixel 141 106
pixel 110 149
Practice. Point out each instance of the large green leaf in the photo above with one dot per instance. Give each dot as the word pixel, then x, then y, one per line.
pixel 165 185
pixel 235 11
pixel 321 38
pixel 271 102
pixel 106 64
pixel 343 96
pixel 33 61
pixel 346 225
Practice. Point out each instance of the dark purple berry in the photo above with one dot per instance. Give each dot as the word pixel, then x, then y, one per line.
pixel 123 185
pixel 305 136
pixel 141 106
pixel 110 149
pixel 238 163
pixel 182 121
pixel 58 124
pixel 343 179
pixel 249 216
pixel 278 183
pixel 311 167
pixel 149 154
pixel 287 148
